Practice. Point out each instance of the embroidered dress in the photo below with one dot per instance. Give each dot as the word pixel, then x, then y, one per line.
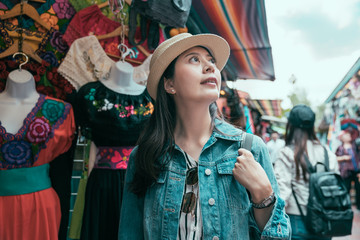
pixel 113 121
pixel 46 133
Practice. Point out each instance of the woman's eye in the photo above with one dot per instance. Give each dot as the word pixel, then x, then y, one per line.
pixel 212 60
pixel 194 59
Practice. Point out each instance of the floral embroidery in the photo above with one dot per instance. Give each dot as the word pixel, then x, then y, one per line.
pixel 127 111
pixel 63 9
pixel 112 48
pixel 22 149
pixel 49 18
pixel 11 20
pixel 39 130
pixel 91 94
pixel 16 152
pixel 58 42
pixel 113 157
pixel 53 110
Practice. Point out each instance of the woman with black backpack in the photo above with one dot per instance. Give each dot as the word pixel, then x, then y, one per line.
pixel 291 168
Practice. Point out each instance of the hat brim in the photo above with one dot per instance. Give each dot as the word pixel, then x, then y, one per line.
pixel 217 46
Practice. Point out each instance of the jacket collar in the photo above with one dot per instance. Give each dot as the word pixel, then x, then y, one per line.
pixel 227 131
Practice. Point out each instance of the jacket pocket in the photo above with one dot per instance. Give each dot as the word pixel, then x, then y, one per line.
pixel 234 193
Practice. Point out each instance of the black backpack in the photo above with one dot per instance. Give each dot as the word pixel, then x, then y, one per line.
pixel 329 210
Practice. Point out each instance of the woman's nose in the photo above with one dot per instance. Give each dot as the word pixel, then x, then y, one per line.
pixel 209 67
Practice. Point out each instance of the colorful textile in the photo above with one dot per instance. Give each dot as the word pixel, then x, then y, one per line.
pixel 58 14
pixel 109 118
pixel 47 132
pixel 91 21
pixel 79 5
pixel 112 157
pixel 243 25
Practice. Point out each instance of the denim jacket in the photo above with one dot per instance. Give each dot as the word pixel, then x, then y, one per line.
pixel 226 210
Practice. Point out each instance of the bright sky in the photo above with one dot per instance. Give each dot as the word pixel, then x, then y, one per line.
pixel 317 41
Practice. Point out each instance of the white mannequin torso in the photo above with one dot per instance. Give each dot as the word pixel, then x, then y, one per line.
pixel 121 79
pixel 17 100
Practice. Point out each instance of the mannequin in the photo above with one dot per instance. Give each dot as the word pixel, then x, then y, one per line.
pixel 17 100
pixel 121 79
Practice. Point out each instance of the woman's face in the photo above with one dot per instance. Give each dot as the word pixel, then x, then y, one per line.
pixel 346 137
pixel 196 77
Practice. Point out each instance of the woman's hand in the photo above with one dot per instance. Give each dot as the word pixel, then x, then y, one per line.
pixel 252 176
pixel 343 158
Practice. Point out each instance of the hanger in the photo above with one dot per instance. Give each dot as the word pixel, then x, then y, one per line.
pixel 117 32
pixel 26 9
pixel 26 49
pixel 26 59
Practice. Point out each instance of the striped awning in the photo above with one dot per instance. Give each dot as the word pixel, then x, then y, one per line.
pixel 266 107
pixel 243 24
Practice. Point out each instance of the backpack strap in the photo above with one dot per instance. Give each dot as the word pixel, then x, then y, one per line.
pixel 312 168
pixel 247 142
pixel 297 203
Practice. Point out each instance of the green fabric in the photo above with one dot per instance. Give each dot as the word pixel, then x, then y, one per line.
pixel 78 211
pixel 24 180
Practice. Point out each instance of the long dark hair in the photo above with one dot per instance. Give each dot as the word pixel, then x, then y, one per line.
pixel 157 139
pixel 298 137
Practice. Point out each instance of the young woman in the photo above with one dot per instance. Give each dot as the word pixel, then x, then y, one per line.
pixel 291 169
pixel 188 179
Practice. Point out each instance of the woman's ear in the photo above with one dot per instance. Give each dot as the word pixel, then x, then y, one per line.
pixel 169 86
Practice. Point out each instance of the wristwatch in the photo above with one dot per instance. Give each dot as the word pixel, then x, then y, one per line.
pixel 267 202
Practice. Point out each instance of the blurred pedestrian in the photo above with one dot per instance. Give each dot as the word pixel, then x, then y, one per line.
pixel 291 169
pixel 349 159
pixel 274 145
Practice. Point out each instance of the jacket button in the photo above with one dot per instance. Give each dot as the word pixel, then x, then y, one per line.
pixel 208 172
pixel 211 201
pixel 215 238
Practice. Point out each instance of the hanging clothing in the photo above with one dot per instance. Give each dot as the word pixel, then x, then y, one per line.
pixel 113 121
pixel 29 206
pixel 91 21
pixel 87 62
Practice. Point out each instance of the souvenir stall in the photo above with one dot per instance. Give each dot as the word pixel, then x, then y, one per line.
pixel 73 50
pixel 342 110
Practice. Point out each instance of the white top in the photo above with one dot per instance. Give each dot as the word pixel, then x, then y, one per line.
pixel 190 225
pixel 285 174
pixel 86 61
pixel 17 100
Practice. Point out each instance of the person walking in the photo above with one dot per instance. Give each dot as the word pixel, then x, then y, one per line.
pixel 274 145
pixel 291 169
pixel 187 178
pixel 349 162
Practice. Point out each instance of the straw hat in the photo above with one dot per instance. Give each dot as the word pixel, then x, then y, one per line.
pixel 168 50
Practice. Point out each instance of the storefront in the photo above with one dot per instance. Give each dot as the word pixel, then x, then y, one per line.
pixel 342 108
pixel 67 44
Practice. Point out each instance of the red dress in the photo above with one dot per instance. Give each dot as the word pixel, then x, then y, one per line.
pixel 47 132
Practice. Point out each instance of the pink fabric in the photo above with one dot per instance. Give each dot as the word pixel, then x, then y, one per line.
pixel 113 157
pixel 91 21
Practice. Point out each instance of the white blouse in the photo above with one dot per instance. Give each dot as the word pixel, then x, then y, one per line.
pixel 190 225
